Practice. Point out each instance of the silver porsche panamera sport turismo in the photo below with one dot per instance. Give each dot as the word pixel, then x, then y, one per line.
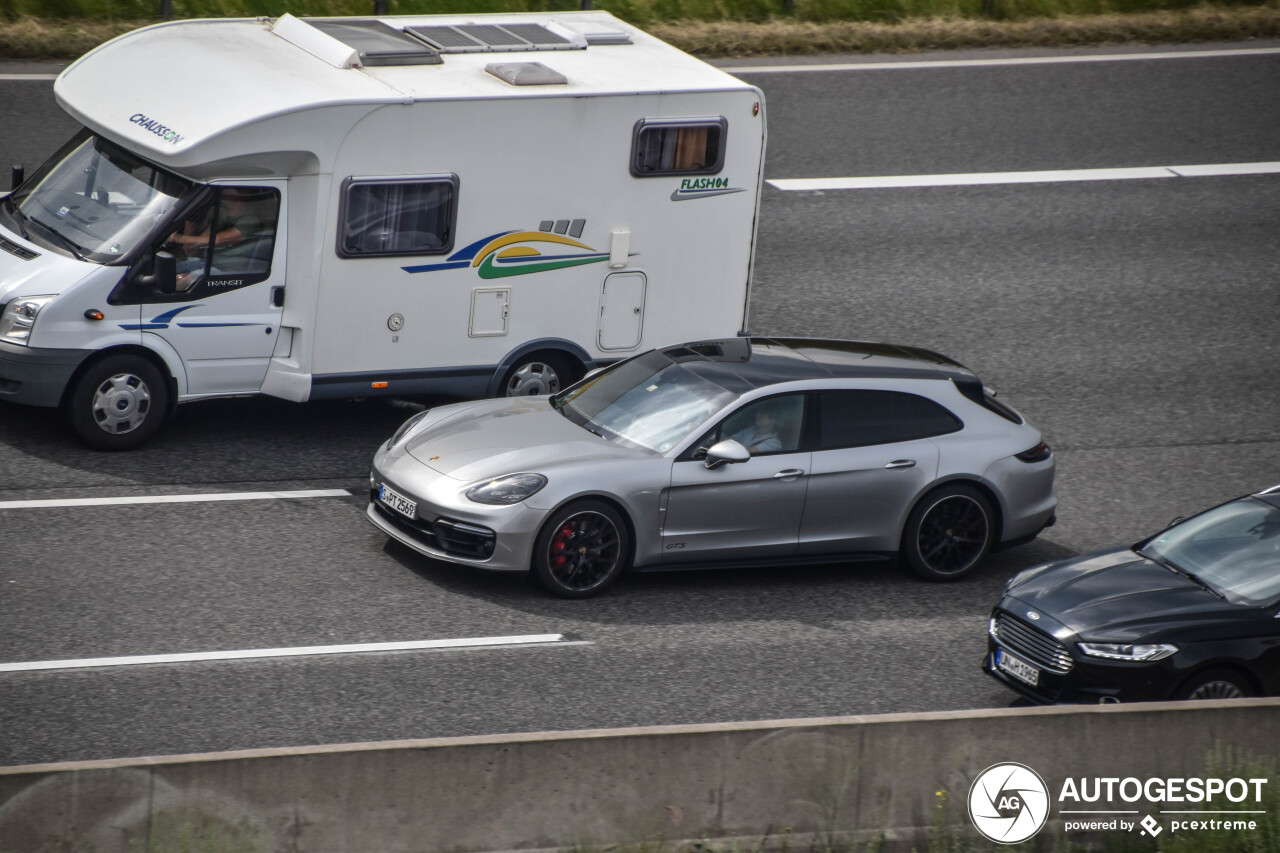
pixel 744 451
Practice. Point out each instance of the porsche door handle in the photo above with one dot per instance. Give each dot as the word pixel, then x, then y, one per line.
pixel 902 463
pixel 789 474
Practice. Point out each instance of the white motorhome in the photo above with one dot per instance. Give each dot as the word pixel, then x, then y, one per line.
pixel 317 208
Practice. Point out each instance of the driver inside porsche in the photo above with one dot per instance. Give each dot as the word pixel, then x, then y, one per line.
pixel 769 426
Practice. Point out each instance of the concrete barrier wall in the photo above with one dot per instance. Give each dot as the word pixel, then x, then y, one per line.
pixel 855 777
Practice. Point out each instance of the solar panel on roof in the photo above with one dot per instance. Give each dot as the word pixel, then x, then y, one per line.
pixel 470 38
pixel 446 38
pixel 535 34
pixel 377 43
pixel 492 35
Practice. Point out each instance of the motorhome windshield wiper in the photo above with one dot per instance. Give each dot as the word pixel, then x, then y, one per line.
pixel 1162 560
pixel 19 218
pixel 71 247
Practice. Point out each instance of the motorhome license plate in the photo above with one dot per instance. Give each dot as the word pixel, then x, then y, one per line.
pixel 397 501
pixel 1017 667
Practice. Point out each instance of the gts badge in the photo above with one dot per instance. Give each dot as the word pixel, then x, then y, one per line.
pixel 675 546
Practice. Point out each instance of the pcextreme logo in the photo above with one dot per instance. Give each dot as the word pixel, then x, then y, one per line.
pixel 554 246
pixel 1008 803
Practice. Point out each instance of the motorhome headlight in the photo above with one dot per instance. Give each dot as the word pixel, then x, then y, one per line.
pixel 19 317
pixel 503 491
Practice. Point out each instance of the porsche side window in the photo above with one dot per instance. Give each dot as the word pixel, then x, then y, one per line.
pixel 860 418
pixel 412 216
pixel 771 425
pixel 767 426
pixel 678 147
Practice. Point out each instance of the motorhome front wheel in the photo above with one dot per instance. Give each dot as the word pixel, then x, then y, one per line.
pixel 118 403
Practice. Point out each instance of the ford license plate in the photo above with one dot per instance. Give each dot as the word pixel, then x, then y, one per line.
pixel 397 501
pixel 1017 667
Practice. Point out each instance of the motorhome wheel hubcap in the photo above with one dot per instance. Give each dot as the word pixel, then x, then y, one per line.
pixel 121 403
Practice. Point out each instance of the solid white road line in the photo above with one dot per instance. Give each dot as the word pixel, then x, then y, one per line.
pixel 1054 176
pixel 178 499
pixel 246 654
pixel 989 63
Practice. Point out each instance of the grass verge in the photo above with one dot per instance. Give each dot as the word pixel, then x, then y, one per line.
pixel 31 38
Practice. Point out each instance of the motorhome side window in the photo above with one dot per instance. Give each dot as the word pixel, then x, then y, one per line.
pixel 678 147
pixel 225 242
pixel 381 216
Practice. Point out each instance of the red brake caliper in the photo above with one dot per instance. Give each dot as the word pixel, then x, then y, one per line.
pixel 560 544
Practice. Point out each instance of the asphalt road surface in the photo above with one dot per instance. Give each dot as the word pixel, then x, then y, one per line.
pixel 1135 321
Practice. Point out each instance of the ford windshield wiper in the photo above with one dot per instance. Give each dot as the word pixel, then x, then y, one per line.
pixel 1162 560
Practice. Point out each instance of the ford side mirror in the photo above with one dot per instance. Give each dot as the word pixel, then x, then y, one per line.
pixel 16 176
pixel 726 452
pixel 164 273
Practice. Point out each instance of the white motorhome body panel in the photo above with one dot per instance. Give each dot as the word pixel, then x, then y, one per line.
pixel 206 91
pixel 530 162
pixel 548 203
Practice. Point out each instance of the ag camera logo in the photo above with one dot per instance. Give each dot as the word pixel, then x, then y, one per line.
pixel 1008 803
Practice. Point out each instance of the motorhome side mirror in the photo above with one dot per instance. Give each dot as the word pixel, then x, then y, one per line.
pixel 16 176
pixel 164 273
pixel 726 452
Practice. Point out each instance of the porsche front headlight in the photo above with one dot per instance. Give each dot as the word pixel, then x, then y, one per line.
pixel 503 491
pixel 406 428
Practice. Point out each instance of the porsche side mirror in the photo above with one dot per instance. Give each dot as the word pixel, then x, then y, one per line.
pixel 726 452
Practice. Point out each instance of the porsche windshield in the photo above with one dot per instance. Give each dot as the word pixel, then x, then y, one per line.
pixel 648 402
pixel 94 200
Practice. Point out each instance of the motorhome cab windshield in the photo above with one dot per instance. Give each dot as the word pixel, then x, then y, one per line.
pixel 316 208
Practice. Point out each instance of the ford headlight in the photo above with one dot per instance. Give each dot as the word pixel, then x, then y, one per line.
pixel 503 491
pixel 19 317
pixel 1131 652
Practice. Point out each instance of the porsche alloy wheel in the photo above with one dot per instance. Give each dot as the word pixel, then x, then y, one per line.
pixel 948 533
pixel 581 550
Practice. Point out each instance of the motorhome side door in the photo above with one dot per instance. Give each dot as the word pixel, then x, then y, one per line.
pixel 621 311
pixel 224 314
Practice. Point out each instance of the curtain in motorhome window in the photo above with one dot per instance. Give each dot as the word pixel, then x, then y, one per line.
pixel 412 217
pixel 669 147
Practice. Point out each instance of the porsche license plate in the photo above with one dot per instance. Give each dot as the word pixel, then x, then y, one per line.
pixel 1017 667
pixel 397 501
